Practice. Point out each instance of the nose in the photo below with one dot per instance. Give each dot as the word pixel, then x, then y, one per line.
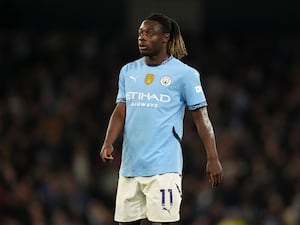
pixel 141 36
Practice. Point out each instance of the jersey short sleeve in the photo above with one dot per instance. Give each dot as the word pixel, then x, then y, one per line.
pixel 121 96
pixel 192 90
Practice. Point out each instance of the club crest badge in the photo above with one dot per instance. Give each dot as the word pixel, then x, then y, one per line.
pixel 149 78
pixel 165 81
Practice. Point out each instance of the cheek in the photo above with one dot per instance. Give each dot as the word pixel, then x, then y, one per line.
pixel 157 43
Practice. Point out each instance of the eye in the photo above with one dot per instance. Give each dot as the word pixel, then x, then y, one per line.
pixel 146 33
pixel 150 33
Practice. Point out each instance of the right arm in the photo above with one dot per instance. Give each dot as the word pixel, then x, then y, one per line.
pixel 115 126
pixel 206 133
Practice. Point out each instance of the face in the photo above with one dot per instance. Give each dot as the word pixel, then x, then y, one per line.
pixel 151 40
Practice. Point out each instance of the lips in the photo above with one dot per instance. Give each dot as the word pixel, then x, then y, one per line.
pixel 142 47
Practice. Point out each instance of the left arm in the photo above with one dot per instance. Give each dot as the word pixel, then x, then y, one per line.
pixel 206 133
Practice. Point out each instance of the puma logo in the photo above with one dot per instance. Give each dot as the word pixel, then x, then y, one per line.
pixel 168 210
pixel 133 78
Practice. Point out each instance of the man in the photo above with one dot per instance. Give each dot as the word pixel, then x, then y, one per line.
pixel 153 93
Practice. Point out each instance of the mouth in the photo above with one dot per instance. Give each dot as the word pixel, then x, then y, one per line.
pixel 142 47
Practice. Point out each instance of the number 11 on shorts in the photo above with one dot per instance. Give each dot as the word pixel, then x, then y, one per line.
pixel 163 197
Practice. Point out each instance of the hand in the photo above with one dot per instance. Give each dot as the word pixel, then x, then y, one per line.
pixel 106 153
pixel 214 172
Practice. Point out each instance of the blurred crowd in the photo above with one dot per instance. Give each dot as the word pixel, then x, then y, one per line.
pixel 58 90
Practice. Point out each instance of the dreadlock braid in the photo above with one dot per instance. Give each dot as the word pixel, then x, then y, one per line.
pixel 176 46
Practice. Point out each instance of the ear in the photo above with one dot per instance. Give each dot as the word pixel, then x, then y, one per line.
pixel 166 37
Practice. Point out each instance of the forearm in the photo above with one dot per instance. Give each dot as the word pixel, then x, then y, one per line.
pixel 206 132
pixel 115 125
pixel 207 135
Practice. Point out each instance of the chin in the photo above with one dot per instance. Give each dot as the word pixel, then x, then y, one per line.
pixel 144 53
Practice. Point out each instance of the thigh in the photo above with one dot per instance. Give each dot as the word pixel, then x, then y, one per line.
pixel 130 202
pixel 163 198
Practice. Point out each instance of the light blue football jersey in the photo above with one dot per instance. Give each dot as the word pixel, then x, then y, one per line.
pixel 156 97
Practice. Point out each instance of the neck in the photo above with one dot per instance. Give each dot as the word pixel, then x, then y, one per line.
pixel 156 60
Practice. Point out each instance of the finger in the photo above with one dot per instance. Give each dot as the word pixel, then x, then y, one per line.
pixel 214 183
pixel 214 179
pixel 218 179
pixel 105 155
pixel 103 158
pixel 211 179
pixel 108 157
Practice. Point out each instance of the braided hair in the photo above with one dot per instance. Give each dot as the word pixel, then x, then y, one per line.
pixel 176 46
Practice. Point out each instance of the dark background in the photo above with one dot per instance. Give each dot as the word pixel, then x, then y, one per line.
pixel 217 14
pixel 59 65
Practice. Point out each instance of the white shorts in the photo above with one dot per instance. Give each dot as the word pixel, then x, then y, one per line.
pixel 156 198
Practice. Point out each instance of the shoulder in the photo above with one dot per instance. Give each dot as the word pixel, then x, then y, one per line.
pixel 133 65
pixel 184 68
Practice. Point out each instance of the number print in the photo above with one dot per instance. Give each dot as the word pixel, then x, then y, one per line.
pixel 163 197
pixel 163 200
